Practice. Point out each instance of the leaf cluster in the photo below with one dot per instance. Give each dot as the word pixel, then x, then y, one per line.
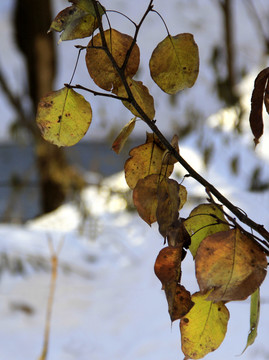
pixel 230 264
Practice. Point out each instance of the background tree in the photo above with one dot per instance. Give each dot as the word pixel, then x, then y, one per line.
pixel 32 20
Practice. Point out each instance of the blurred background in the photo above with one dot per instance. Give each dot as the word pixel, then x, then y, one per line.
pixel 36 177
pixel 108 302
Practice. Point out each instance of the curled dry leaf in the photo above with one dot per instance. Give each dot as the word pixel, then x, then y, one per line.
pixel 204 327
pixel 74 23
pixel 174 63
pixel 181 303
pixel 259 95
pixel 121 139
pixel 168 158
pixel 99 64
pixel 254 318
pixel 230 263
pixel 204 220
pixel 168 205
pixel 168 270
pixel 146 160
pixel 167 266
pixel 145 198
pixel 178 235
pixel 141 95
pixel 63 117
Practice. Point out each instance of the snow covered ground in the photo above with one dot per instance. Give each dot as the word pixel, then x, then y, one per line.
pixel 108 302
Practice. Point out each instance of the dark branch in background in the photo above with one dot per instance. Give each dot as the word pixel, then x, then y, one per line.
pixel 250 5
pixel 151 123
pixel 17 106
pixel 228 21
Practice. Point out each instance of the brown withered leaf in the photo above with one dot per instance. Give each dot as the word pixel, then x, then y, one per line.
pixel 99 65
pixel 230 263
pixel 168 205
pixel 181 303
pixel 178 235
pixel 121 139
pixel 258 96
pixel 145 198
pixel 168 270
pixel 167 266
pixel 266 97
pixel 146 160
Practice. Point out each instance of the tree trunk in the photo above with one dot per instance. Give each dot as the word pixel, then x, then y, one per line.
pixel 32 21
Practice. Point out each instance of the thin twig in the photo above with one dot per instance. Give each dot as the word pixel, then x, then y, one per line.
pixel 151 123
pixel 96 93
pixel 17 106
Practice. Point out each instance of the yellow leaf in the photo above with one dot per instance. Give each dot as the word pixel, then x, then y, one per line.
pixel 123 136
pixel 231 264
pixel 74 23
pixel 174 64
pixel 183 194
pixel 254 318
pixel 204 327
pixel 204 220
pixel 63 117
pixel 99 64
pixel 146 160
pixel 141 95
pixel 88 7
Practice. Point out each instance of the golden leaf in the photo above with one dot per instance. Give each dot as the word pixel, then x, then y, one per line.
pixel 146 160
pixel 204 220
pixel 121 139
pixel 63 117
pixel 174 64
pixel 204 327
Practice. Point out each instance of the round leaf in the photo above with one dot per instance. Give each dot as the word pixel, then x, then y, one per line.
pixel 174 64
pixel 231 264
pixel 63 117
pixel 99 65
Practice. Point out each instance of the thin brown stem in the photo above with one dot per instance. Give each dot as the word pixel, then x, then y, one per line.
pixel 96 93
pixel 151 123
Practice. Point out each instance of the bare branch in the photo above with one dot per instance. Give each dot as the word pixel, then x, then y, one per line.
pixel 96 93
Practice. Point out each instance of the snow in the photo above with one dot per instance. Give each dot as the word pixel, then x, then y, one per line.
pixel 108 302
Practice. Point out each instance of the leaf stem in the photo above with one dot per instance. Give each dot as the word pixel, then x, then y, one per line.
pixel 151 124
pixel 96 93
